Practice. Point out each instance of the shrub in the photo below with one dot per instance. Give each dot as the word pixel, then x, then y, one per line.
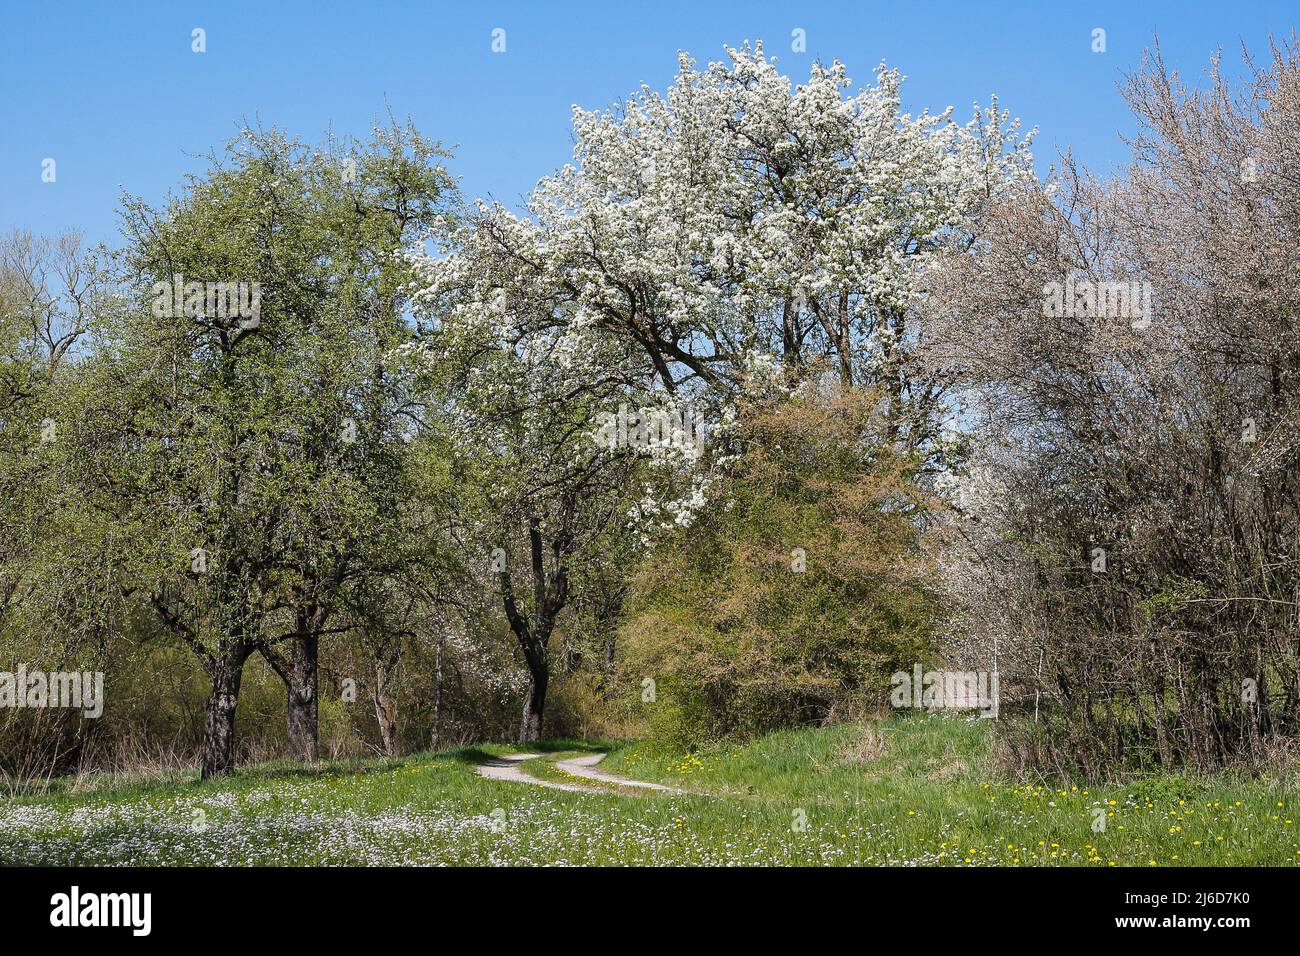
pixel 800 587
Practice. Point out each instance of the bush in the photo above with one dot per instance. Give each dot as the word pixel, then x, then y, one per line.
pixel 800 588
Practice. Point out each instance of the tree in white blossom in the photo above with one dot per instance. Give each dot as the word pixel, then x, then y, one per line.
pixel 739 226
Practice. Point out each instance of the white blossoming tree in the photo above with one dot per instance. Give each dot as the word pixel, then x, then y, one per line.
pixel 739 226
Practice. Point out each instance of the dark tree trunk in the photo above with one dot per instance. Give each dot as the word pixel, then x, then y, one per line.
pixel 219 719
pixel 550 592
pixel 530 729
pixel 844 342
pixel 301 697
pixel 790 341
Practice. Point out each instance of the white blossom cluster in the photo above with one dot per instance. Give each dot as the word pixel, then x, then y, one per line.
pixel 691 219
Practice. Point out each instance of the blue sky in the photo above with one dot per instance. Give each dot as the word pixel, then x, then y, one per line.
pixel 115 95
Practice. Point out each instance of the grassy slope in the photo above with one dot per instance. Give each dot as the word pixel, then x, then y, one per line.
pixel 804 797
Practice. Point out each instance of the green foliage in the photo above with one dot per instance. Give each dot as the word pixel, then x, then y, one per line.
pixel 1170 599
pixel 799 589
pixel 234 449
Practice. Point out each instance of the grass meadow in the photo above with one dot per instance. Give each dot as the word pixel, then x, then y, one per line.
pixel 913 790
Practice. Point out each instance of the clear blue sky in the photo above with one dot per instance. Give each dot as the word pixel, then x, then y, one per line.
pixel 114 94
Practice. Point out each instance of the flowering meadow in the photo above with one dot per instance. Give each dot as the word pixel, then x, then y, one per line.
pixel 802 797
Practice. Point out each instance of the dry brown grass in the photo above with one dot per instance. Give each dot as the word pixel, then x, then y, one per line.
pixel 866 745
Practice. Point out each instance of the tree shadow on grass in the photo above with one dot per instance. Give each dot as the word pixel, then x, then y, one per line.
pixel 250 775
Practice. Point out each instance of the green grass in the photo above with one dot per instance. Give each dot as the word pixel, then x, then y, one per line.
pixel 917 790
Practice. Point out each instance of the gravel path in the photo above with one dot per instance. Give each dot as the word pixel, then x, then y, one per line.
pixel 585 766
pixel 506 768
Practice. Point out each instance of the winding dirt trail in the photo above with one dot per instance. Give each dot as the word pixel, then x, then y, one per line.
pixel 506 767
pixel 585 766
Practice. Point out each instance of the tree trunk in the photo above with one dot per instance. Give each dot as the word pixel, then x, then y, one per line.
pixel 301 697
pixel 530 730
pixel 611 643
pixel 219 719
pixel 550 593
pixel 790 341
pixel 385 710
pixel 437 695
pixel 844 342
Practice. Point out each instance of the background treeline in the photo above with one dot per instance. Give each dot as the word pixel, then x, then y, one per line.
pixel 381 515
pixel 1165 445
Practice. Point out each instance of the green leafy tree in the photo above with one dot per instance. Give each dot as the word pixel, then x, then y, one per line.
pixel 242 424
pixel 540 494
